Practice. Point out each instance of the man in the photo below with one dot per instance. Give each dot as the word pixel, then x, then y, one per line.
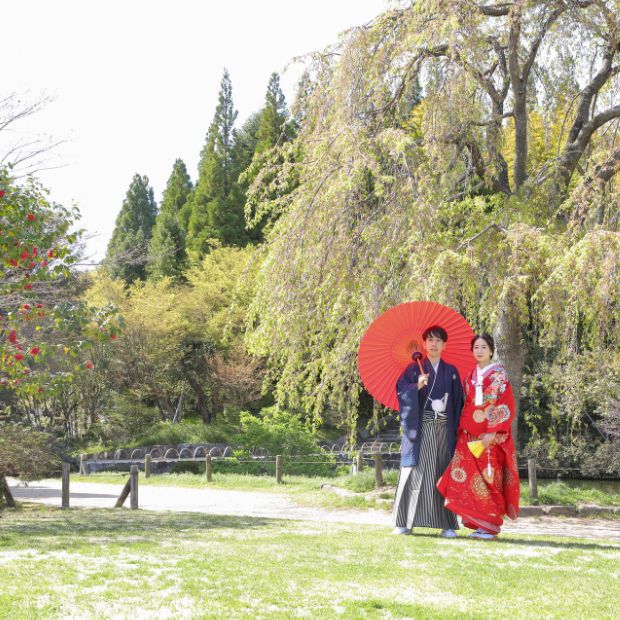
pixel 430 407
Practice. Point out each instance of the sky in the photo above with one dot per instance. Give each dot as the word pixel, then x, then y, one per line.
pixel 134 83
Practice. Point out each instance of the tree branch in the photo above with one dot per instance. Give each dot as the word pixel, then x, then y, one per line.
pixel 538 40
pixel 496 10
pixel 482 232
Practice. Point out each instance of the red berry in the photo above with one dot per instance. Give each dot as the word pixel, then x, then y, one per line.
pixel 31 217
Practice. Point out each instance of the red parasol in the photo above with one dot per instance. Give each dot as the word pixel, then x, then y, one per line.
pixel 387 345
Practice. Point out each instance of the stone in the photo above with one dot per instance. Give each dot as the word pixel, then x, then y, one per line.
pixel 560 511
pixel 531 511
pixel 587 510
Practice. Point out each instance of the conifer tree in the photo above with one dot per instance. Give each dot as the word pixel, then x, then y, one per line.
pixel 167 255
pixel 272 123
pixel 217 203
pixel 126 256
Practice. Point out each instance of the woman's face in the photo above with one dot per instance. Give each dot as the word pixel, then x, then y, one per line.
pixel 482 352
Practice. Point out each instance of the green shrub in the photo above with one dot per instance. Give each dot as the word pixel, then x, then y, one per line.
pixel 127 418
pixel 277 431
pixel 26 453
pixel 364 482
pixel 186 431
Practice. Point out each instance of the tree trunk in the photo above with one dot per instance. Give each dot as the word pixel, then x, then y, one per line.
pixel 202 402
pixel 501 180
pixel 520 116
pixel 511 353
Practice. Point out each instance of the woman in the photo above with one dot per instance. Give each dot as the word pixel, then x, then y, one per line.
pixel 484 488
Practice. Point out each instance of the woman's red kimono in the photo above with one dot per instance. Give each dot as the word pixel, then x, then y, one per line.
pixel 482 490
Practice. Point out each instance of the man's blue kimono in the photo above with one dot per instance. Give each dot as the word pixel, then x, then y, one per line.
pixel 413 402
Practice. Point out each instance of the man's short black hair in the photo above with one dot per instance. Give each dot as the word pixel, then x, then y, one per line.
pixel 437 331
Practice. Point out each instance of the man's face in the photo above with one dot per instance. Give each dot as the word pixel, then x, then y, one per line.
pixel 434 346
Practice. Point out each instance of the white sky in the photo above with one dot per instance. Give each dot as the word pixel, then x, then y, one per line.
pixel 135 82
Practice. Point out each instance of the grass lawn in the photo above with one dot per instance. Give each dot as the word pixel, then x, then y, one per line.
pixel 106 563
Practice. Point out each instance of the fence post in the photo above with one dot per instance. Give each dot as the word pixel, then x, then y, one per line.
pixel 209 468
pixel 279 469
pixel 147 466
pixel 66 468
pixel 123 496
pixel 6 491
pixel 359 462
pixel 133 487
pixel 378 470
pixel 531 474
pixel 83 470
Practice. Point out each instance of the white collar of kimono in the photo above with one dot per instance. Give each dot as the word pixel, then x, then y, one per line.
pixel 483 372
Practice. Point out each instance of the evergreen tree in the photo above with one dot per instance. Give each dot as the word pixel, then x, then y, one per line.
pixel 246 140
pixel 217 203
pixel 126 256
pixel 167 255
pixel 272 124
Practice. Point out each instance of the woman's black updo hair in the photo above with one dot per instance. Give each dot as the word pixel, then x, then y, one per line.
pixel 487 338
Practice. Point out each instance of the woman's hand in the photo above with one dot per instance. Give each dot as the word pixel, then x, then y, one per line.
pixel 487 439
pixel 422 381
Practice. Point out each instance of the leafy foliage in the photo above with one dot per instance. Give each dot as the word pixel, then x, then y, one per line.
pixel 277 431
pixel 26 453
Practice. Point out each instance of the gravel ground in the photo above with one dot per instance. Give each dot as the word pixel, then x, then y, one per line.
pixel 278 506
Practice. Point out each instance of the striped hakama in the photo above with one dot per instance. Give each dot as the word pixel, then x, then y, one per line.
pixel 418 503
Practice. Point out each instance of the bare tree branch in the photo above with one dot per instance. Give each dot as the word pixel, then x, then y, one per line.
pixel 496 10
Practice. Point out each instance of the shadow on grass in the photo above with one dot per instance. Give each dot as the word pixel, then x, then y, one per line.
pixel 40 492
pixel 371 608
pixel 28 521
pixel 527 542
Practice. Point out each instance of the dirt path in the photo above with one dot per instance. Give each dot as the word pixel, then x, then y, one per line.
pixel 278 506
